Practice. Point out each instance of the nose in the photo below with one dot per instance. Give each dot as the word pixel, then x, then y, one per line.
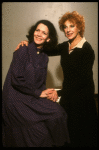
pixel 68 29
pixel 39 33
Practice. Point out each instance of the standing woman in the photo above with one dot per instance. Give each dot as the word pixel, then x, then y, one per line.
pixel 29 118
pixel 77 94
pixel 77 58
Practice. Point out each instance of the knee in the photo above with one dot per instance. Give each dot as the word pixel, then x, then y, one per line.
pixel 60 113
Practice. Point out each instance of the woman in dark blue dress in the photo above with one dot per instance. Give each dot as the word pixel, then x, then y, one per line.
pixel 77 94
pixel 29 118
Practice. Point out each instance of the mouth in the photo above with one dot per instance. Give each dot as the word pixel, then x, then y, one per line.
pixel 69 34
pixel 38 39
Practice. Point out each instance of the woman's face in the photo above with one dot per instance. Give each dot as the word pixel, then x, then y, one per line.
pixel 41 35
pixel 71 30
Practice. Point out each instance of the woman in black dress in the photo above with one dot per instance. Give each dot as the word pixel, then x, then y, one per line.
pixel 77 58
pixel 29 118
pixel 77 94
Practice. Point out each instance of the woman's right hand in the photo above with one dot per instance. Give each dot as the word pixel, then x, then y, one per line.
pixel 22 43
pixel 45 92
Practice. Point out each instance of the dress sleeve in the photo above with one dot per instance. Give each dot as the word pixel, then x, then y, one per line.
pixel 56 51
pixel 18 78
pixel 59 92
pixel 86 64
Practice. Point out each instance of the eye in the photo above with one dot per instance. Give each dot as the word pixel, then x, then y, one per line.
pixel 44 33
pixel 72 26
pixel 64 26
pixel 37 30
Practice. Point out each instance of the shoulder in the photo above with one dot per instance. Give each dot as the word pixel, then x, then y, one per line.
pixel 87 51
pixel 87 47
pixel 64 43
pixel 31 46
pixel 21 52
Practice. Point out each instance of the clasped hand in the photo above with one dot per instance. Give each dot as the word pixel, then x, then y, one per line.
pixel 50 94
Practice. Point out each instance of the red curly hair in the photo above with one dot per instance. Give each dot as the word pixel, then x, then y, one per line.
pixel 75 18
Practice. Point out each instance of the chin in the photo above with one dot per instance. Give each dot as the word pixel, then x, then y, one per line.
pixel 38 43
pixel 71 38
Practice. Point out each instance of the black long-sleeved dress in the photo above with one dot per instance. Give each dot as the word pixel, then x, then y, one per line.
pixel 28 120
pixel 77 94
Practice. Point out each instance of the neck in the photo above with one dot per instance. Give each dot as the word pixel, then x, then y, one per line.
pixel 39 47
pixel 75 41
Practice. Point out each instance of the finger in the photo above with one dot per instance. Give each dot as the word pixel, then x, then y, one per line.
pixel 55 97
pixel 26 42
pixel 52 95
pixel 49 91
pixel 22 44
pixel 17 48
pixel 52 98
pixel 49 97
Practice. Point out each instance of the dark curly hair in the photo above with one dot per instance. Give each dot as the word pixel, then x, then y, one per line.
pixel 52 35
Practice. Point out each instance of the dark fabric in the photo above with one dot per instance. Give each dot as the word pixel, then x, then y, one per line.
pixel 28 120
pixel 77 95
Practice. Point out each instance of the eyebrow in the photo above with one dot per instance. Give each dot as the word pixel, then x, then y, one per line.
pixel 42 31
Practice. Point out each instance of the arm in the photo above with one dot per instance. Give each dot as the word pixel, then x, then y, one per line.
pixel 86 64
pixel 19 79
pixel 54 52
pixel 59 92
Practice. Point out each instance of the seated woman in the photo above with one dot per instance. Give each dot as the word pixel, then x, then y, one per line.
pixel 29 118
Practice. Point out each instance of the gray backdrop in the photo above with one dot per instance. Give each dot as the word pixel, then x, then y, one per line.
pixel 18 17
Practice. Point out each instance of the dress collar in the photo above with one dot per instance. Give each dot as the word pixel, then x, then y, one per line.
pixel 37 49
pixel 80 44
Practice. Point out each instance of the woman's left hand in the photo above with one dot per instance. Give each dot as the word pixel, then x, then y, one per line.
pixel 52 96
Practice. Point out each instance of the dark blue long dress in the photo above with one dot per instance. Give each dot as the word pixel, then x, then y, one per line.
pixel 28 120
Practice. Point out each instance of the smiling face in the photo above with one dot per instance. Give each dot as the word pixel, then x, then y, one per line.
pixel 41 35
pixel 71 30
